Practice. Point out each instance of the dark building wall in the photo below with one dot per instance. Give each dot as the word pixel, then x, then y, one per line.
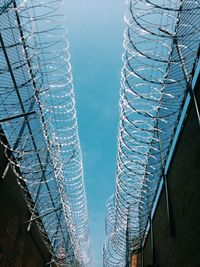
pixel 181 247
pixel 18 247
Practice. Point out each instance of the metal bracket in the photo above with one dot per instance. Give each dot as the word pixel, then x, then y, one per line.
pixel 17 116
pixel 41 216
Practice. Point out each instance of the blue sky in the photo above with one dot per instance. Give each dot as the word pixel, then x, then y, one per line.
pixel 95 34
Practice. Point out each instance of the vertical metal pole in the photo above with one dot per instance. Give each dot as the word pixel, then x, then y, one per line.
pixel 127 250
pixel 188 80
pixel 127 242
pixel 5 171
pixel 168 206
pixel 142 256
pixel 152 243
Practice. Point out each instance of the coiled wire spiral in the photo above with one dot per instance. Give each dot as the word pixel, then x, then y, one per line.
pixel 40 134
pixel 161 48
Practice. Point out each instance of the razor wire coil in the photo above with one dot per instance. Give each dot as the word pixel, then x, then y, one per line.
pixel 160 37
pixel 43 148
